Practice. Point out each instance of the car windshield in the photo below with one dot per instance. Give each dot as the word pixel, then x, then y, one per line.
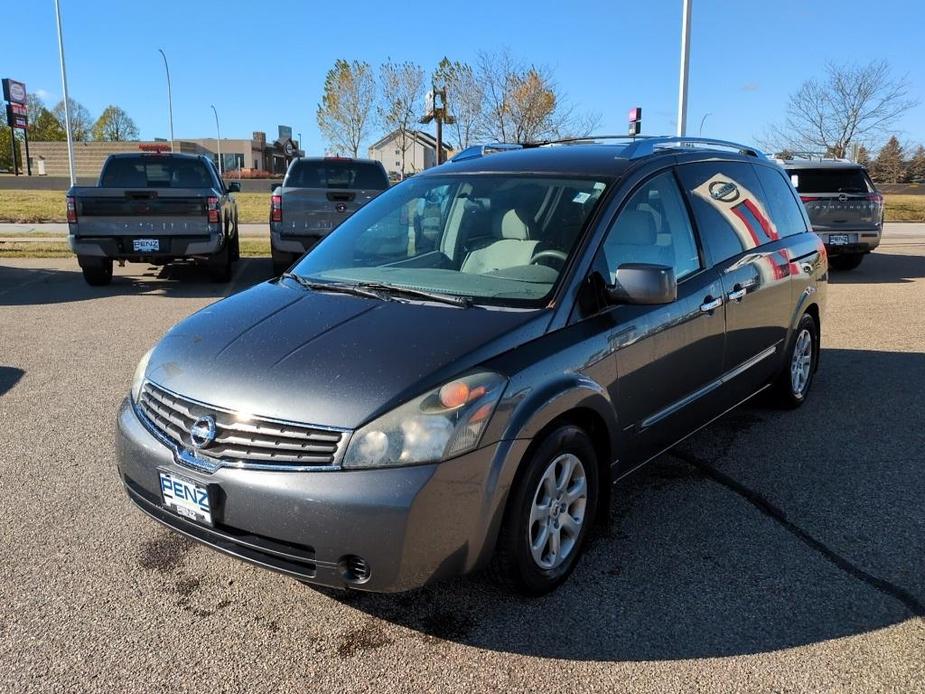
pixel 494 238
pixel 333 173
pixel 830 180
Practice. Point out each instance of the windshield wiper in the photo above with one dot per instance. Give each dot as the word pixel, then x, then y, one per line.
pixel 354 289
pixel 452 300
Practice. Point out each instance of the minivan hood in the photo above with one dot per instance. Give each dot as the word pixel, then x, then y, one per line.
pixel 278 350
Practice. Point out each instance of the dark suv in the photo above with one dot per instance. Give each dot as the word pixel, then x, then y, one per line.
pixel 402 407
pixel 844 207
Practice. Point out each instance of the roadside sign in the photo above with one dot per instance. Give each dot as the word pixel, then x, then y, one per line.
pixel 635 120
pixel 14 92
pixel 16 116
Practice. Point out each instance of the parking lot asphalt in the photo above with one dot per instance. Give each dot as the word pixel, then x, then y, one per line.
pixel 774 551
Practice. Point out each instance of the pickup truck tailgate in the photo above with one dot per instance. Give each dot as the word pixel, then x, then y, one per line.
pixel 126 212
pixel 316 211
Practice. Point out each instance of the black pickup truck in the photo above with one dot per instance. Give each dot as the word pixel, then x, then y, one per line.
pixel 154 208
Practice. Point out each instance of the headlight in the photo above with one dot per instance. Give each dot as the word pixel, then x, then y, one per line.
pixel 440 424
pixel 139 378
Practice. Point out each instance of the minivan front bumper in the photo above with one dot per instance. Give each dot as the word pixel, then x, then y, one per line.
pixel 411 525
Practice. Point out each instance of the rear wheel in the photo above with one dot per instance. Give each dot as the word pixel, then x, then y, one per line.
pixel 792 385
pixel 97 272
pixel 848 261
pixel 236 244
pixel 549 513
pixel 219 265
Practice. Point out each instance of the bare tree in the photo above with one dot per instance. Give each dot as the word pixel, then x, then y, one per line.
pixel 851 103
pixel 464 98
pixel 81 120
pixel 114 125
pixel 402 86
pixel 524 103
pixel 346 109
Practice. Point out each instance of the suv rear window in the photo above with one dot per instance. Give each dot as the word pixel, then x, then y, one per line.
pixel 155 172
pixel 830 180
pixel 349 175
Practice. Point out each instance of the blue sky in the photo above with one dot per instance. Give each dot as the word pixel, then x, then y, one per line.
pixel 262 64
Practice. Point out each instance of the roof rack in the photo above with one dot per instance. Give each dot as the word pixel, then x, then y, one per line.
pixel 644 146
pixel 809 156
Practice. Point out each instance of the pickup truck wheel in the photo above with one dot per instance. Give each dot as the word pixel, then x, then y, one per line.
pixel 549 513
pixel 843 263
pixel 97 272
pixel 236 244
pixel 220 264
pixel 281 261
pixel 792 385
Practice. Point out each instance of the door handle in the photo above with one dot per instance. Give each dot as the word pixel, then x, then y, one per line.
pixel 709 305
pixel 737 294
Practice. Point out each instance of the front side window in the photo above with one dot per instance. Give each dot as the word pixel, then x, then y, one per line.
pixel 728 203
pixel 495 238
pixel 653 227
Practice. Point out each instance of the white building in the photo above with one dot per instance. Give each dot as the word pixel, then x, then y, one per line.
pixel 420 151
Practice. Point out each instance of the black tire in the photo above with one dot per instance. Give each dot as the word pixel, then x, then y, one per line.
pixel 848 261
pixel 236 243
pixel 219 265
pixel 514 565
pixel 787 393
pixel 97 272
pixel 281 261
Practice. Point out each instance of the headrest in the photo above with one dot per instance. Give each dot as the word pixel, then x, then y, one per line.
pixel 513 227
pixel 637 228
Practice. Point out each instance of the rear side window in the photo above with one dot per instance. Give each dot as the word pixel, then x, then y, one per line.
pixel 729 207
pixel 331 173
pixel 842 180
pixel 155 172
pixel 786 211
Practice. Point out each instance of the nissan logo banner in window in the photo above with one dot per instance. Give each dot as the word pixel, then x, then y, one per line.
pixel 14 92
pixel 740 208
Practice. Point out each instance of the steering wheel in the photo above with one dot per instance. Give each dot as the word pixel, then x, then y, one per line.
pixel 551 253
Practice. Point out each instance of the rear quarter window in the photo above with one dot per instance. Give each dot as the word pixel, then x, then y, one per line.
pixel 729 207
pixel 785 208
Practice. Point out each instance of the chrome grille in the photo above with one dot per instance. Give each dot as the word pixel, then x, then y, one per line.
pixel 250 442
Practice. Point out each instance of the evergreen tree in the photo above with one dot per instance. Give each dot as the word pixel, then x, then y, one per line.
pixel 889 165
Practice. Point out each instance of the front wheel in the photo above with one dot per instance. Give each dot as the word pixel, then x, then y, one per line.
pixel 549 513
pixel 792 385
pixel 843 263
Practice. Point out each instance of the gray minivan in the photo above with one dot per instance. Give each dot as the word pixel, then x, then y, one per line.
pixel 393 411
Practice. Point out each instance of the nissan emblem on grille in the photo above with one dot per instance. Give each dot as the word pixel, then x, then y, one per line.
pixel 202 433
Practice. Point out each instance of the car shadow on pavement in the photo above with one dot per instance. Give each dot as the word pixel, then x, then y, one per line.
pixel 767 530
pixel 9 377
pixel 883 268
pixel 21 286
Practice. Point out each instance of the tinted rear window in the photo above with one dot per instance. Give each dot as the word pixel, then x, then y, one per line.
pixel 830 180
pixel 155 172
pixel 351 175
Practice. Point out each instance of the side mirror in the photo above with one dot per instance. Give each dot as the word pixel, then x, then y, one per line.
pixel 642 283
pixel 233 186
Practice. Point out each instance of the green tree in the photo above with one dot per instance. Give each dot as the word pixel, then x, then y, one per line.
pixel 346 110
pixel 915 168
pixel 6 155
pixel 863 156
pixel 889 166
pixel 81 121
pixel 114 125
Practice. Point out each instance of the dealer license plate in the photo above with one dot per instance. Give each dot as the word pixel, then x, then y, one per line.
pixel 838 239
pixel 186 498
pixel 146 245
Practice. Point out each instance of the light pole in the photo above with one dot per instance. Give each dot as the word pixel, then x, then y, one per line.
pixel 67 106
pixel 708 113
pixel 685 60
pixel 219 131
pixel 169 96
pixel 300 142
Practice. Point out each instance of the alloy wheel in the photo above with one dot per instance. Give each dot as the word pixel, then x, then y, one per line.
pixel 558 511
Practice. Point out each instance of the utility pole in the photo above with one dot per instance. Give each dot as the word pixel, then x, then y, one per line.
pixel 685 65
pixel 438 112
pixel 219 131
pixel 67 105
pixel 169 97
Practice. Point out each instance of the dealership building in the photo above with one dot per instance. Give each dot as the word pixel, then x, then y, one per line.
pixel 244 157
